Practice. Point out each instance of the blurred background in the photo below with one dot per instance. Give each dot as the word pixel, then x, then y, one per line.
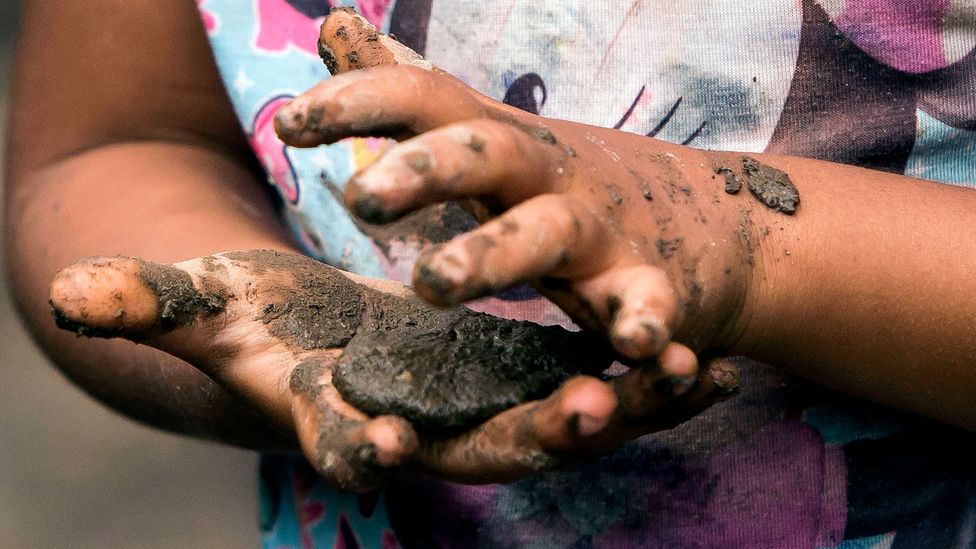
pixel 74 474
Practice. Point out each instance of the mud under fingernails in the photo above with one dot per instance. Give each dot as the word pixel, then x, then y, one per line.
pixel 297 121
pixel 440 278
pixel 369 208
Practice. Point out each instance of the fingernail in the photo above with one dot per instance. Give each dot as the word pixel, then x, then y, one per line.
pixel 587 425
pixel 379 193
pixel 288 119
pixel 295 118
pixel 369 208
pixel 443 274
pixel 418 161
pixel 674 386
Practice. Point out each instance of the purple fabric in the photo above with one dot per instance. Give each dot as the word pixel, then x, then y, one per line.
pixel 780 486
pixel 906 35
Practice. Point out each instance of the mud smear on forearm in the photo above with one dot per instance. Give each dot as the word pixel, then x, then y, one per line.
pixel 440 369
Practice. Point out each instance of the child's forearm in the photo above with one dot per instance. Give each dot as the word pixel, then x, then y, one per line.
pixel 869 288
pixel 159 201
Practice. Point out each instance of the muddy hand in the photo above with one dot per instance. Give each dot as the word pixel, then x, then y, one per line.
pixel 626 233
pixel 271 327
pixel 249 321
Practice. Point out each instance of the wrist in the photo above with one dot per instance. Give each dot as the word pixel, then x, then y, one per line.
pixel 766 235
pixel 728 276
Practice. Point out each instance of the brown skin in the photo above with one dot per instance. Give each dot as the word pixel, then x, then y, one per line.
pixel 148 161
pixel 868 287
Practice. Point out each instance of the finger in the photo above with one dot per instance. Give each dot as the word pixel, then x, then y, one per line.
pixel 581 408
pixel 349 42
pixel 583 419
pixel 349 449
pixel 134 299
pixel 640 304
pixel 360 456
pixel 654 399
pixel 677 361
pixel 548 235
pixel 645 401
pixel 474 159
pixel 523 440
pixel 381 101
pixel 587 417
pixel 190 310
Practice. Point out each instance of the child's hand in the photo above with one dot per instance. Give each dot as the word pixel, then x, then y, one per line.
pixel 271 327
pixel 628 234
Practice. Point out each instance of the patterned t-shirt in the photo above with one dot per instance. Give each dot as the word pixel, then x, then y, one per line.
pixel 886 84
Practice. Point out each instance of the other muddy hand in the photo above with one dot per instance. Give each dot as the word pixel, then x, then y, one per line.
pixel 632 236
pixel 272 328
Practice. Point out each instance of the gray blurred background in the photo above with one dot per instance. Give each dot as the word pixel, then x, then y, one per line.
pixel 73 474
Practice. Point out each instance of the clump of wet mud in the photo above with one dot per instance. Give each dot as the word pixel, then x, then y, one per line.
pixel 771 186
pixel 179 301
pixel 445 370
pixel 732 182
pixel 440 369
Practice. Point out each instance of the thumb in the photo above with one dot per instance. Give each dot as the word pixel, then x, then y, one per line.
pixel 128 297
pixel 182 309
pixel 349 42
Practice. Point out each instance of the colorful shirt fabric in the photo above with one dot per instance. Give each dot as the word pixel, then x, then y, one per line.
pixel 883 84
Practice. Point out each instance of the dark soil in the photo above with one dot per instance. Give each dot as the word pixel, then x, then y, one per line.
pixel 446 370
pixel 771 186
pixel 732 182
pixel 179 301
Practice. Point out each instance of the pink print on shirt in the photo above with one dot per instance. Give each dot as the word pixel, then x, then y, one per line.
pixel 914 37
pixel 210 21
pixel 271 150
pixel 374 10
pixel 281 25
